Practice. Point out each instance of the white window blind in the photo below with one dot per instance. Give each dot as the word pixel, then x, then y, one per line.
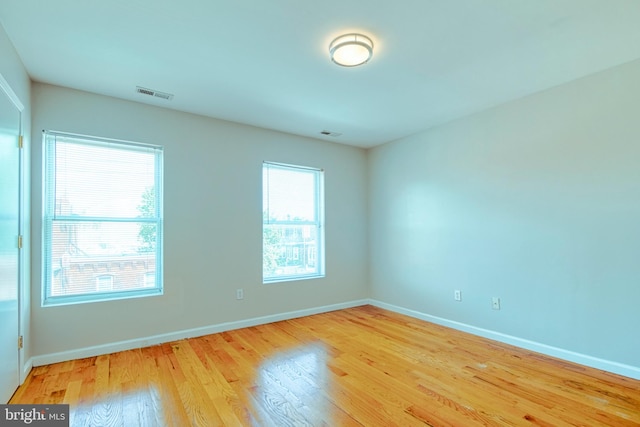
pixel 293 213
pixel 102 219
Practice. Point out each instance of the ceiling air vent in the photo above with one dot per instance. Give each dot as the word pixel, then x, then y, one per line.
pixel 329 133
pixel 154 93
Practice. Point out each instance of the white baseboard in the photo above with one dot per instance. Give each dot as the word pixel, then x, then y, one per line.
pixel 25 370
pixel 582 359
pixel 80 353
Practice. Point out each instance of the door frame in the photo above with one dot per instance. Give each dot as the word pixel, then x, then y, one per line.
pixel 22 220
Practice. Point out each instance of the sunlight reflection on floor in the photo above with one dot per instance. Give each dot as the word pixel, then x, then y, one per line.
pixel 290 386
pixel 131 408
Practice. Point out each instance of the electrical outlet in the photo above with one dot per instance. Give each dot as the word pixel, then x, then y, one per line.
pixel 495 303
pixel 239 293
pixel 457 295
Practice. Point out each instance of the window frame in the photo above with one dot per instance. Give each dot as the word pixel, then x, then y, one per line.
pixel 318 223
pixel 50 215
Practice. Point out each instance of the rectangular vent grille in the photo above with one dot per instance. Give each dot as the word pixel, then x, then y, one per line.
pixel 329 133
pixel 154 93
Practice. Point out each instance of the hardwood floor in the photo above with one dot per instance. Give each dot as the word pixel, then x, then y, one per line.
pixel 357 367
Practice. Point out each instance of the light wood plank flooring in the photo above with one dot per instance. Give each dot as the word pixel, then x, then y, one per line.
pixel 357 367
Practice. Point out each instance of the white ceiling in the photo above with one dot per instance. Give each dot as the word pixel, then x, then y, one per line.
pixel 266 63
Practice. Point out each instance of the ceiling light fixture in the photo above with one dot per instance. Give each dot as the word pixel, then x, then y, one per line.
pixel 351 50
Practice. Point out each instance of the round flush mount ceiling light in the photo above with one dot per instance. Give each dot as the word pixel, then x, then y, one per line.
pixel 351 50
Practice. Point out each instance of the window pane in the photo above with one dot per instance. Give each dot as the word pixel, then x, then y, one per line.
pixel 290 250
pixel 289 195
pixel 101 180
pixel 89 257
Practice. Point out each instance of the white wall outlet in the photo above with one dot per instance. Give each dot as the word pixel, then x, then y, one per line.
pixel 239 293
pixel 495 303
pixel 457 295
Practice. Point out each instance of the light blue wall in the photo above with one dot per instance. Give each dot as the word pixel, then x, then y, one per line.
pixel 536 202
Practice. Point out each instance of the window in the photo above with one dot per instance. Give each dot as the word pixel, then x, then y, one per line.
pixel 102 219
pixel 292 233
pixel 104 283
pixel 149 280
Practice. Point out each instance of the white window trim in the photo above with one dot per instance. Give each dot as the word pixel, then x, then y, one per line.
pixel 49 141
pixel 319 223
